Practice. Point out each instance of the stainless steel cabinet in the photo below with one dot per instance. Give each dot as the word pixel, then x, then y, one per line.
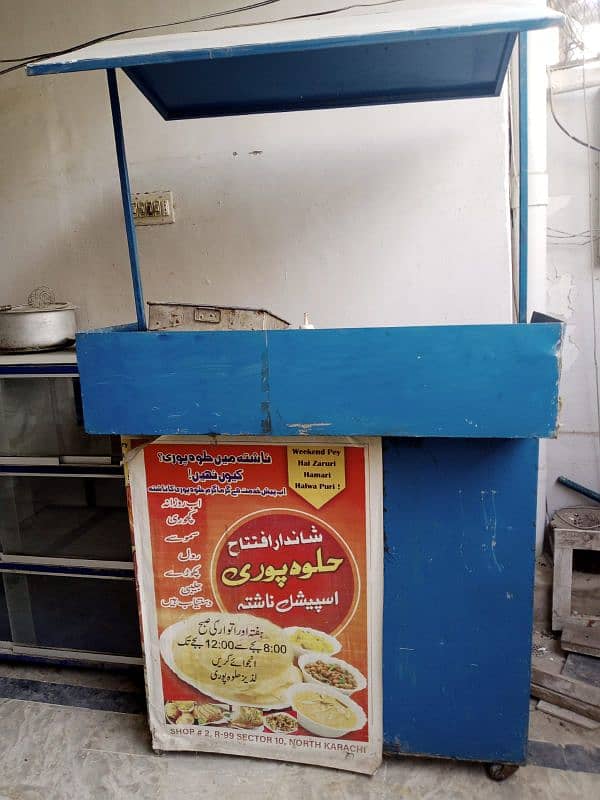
pixel 66 572
pixel 42 416
pixel 68 517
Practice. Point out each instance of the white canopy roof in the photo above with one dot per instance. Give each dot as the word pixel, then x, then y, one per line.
pixel 425 16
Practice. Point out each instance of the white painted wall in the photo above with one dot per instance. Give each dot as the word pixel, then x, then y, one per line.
pixel 375 216
pixel 573 274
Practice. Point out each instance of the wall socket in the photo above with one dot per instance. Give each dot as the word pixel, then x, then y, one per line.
pixel 153 208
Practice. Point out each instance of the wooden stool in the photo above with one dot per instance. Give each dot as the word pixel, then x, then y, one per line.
pixel 574 529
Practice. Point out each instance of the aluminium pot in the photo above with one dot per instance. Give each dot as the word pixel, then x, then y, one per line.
pixel 26 329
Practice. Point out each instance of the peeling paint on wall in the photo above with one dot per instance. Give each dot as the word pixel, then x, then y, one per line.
pixel 561 294
pixel 572 214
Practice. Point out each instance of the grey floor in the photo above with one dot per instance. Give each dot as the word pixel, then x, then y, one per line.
pixel 52 750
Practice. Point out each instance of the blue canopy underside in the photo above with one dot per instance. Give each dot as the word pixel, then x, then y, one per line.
pixel 394 66
pixel 361 74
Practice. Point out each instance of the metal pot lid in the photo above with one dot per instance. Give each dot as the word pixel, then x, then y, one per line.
pixel 8 309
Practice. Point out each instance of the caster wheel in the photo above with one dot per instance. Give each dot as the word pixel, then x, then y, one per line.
pixel 500 772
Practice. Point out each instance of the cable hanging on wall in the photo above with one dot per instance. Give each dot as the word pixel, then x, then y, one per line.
pixel 578 13
pixel 559 123
pixel 24 60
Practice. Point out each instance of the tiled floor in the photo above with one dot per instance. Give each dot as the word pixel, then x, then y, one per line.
pixel 56 751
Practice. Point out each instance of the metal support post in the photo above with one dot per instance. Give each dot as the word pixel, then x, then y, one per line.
pixel 523 178
pixel 134 259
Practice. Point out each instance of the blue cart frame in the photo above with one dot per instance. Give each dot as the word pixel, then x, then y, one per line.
pixel 460 409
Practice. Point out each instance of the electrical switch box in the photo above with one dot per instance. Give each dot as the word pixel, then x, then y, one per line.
pixel 153 208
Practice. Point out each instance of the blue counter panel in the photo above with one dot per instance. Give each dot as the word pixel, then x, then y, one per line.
pixel 459 526
pixel 151 383
pixel 449 381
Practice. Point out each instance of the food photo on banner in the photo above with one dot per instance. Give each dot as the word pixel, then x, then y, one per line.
pixel 260 579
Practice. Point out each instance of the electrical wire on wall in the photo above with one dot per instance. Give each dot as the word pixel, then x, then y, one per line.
pixel 592 250
pixel 558 237
pixel 559 123
pixel 591 235
pixel 22 61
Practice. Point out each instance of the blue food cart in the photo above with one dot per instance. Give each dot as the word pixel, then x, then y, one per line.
pixel 460 408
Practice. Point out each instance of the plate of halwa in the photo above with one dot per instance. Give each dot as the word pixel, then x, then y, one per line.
pixel 309 640
pixel 325 711
pixel 234 658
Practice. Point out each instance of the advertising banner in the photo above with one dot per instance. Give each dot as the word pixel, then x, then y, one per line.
pixel 259 571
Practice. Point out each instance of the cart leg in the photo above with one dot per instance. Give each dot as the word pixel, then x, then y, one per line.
pixel 500 772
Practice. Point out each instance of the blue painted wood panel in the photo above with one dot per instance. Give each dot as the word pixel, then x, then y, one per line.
pixel 381 69
pixel 150 383
pixel 459 523
pixel 479 380
pixel 463 381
